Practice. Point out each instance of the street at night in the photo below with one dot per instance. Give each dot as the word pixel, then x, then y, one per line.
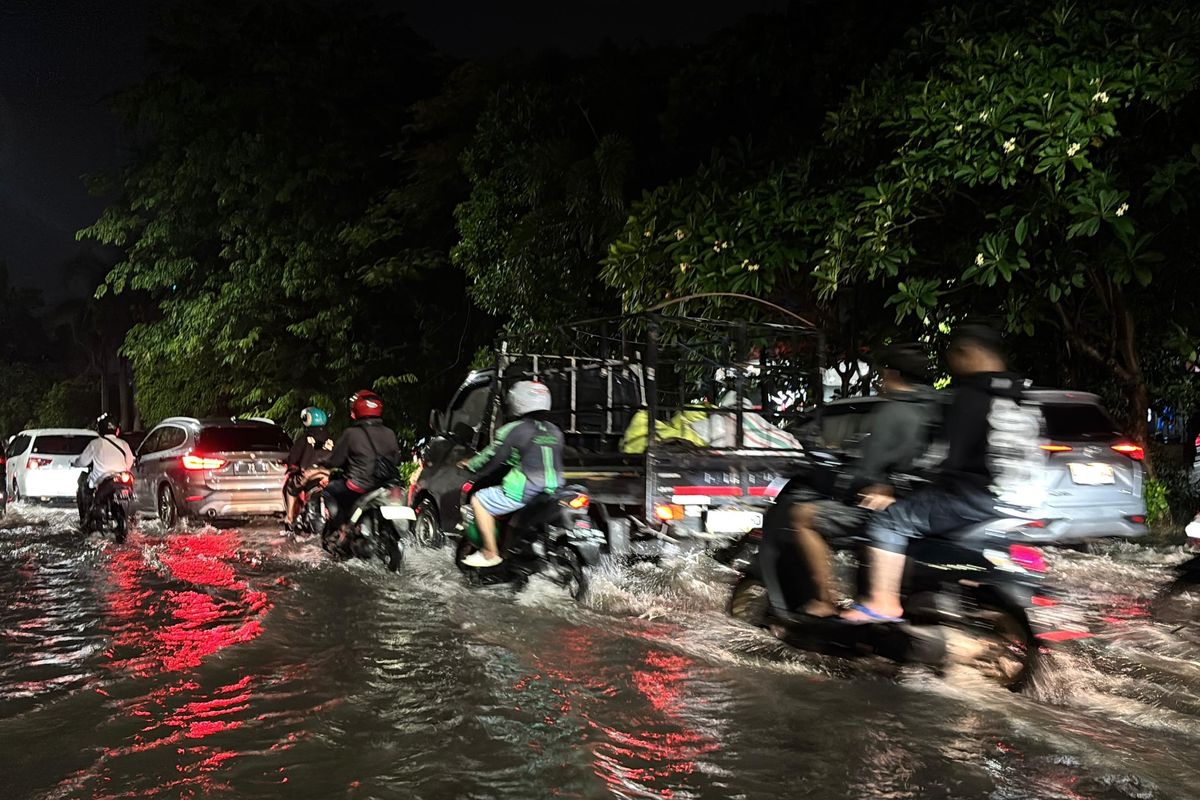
pixel 680 399
pixel 234 663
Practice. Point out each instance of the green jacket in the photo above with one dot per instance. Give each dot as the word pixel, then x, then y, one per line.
pixel 530 449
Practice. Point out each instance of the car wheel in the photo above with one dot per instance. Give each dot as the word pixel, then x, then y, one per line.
pixel 428 529
pixel 168 512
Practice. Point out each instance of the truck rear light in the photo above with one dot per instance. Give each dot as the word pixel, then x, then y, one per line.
pixel 1134 451
pixel 578 502
pixel 668 513
pixel 195 462
pixel 37 463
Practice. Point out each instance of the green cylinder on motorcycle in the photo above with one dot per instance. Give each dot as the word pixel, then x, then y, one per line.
pixel 469 528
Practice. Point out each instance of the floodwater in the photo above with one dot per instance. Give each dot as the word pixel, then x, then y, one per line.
pixel 239 663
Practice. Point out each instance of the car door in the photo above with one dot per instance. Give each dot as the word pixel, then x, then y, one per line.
pixel 144 477
pixel 464 431
pixel 17 449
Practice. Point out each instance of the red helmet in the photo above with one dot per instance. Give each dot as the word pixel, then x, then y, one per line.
pixel 365 403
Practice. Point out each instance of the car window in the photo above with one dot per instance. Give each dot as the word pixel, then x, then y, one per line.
pixel 152 443
pixel 1074 421
pixel 60 445
pixel 249 438
pixel 18 446
pixel 172 437
pixel 469 407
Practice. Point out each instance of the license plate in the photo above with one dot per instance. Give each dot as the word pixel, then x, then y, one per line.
pixel 397 512
pixel 725 521
pixel 1091 474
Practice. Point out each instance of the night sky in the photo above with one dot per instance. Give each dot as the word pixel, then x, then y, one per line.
pixel 61 59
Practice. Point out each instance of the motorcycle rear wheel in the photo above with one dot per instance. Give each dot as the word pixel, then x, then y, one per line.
pixel 120 524
pixel 750 602
pixel 1012 652
pixel 569 565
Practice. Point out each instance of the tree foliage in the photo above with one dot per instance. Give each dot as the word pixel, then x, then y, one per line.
pixel 1035 163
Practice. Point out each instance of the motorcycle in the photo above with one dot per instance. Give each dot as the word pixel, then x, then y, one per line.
pixel 313 513
pixel 109 510
pixel 982 584
pixel 375 527
pixel 553 535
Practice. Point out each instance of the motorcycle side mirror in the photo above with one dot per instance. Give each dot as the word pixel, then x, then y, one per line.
pixel 435 420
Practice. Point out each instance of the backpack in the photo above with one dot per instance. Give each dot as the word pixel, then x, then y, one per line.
pixel 1014 456
pixel 385 470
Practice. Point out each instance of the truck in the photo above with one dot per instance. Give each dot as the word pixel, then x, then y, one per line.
pixel 723 395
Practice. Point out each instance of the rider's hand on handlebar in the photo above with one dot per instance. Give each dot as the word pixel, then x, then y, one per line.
pixel 462 464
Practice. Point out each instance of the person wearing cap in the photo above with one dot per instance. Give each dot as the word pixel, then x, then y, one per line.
pixel 899 436
pixel 968 483
pixel 309 451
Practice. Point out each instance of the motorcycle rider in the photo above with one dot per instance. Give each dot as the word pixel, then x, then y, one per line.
pixel 529 451
pixel 899 429
pixel 310 450
pixel 367 453
pixel 107 454
pixel 992 452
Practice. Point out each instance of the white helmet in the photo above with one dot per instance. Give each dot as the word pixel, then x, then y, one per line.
pixel 526 397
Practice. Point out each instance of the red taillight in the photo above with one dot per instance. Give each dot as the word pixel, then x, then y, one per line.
pixel 578 502
pixel 467 487
pixel 1044 602
pixel 1026 557
pixel 194 462
pixel 37 463
pixel 667 513
pixel 1137 519
pixel 123 477
pixel 1134 451
pixel 1056 448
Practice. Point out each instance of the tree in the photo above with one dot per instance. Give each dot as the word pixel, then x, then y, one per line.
pixel 261 142
pixel 1029 161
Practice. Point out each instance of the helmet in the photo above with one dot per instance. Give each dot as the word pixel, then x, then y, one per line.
pixel 106 425
pixel 365 403
pixel 313 417
pixel 525 397
pixel 910 360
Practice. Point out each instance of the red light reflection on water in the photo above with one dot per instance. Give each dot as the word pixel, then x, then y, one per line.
pixel 170 629
pixel 646 754
pixel 168 613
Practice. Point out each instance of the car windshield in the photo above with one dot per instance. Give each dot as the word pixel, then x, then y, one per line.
pixel 61 445
pixel 252 438
pixel 1078 421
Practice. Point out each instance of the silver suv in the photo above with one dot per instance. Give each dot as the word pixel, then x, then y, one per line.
pixel 1094 483
pixel 210 468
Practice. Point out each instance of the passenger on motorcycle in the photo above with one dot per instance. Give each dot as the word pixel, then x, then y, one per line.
pixel 367 454
pixel 898 436
pixel 308 454
pixel 529 453
pixel 992 455
pixel 107 454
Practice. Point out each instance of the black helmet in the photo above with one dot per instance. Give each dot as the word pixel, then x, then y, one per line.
pixel 909 359
pixel 106 425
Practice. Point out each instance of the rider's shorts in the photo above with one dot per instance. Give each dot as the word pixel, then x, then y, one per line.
pixel 934 511
pixel 294 483
pixel 496 502
pixel 835 519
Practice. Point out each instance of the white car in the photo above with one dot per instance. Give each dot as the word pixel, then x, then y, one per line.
pixel 39 463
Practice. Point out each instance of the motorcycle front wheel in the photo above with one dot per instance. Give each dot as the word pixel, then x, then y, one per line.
pixel 387 543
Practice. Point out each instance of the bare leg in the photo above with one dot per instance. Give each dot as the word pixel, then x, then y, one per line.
pixel 293 508
pixel 887 572
pixel 817 554
pixel 487 528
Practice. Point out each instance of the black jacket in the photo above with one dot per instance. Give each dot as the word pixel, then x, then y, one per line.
pixel 312 447
pixel 358 450
pixel 968 427
pixel 900 434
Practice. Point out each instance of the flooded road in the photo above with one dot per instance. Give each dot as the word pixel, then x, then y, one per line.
pixel 239 663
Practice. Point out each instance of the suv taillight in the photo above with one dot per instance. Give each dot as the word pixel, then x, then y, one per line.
pixel 1134 451
pixel 195 462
